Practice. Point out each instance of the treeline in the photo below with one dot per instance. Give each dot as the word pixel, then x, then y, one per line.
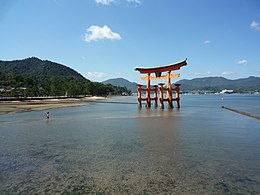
pixel 33 77
pixel 13 85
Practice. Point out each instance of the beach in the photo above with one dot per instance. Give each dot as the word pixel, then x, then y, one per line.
pixel 14 106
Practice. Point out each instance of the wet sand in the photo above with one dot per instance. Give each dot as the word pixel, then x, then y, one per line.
pixel 33 105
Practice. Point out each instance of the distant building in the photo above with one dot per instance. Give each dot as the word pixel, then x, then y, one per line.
pixel 227 91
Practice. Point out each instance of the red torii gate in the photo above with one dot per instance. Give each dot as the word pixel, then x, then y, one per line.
pixel 158 75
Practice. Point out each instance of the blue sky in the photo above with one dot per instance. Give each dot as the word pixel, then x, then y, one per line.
pixel 105 39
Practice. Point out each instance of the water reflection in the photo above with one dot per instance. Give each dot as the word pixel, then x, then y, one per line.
pixel 157 112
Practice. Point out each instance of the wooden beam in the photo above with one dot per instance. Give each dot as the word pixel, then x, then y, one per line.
pixel 162 77
pixel 166 68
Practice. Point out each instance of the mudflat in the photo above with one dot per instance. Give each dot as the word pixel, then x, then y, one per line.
pixel 32 105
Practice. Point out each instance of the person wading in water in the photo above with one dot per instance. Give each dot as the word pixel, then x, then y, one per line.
pixel 47 115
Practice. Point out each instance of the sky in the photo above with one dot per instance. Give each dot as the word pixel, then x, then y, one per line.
pixel 104 39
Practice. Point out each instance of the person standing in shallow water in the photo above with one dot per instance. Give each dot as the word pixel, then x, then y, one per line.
pixel 47 115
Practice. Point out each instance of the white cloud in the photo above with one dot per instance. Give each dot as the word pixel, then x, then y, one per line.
pixel 227 73
pixel 105 2
pixel 136 2
pixel 207 42
pixel 95 74
pixel 242 62
pixel 255 25
pixel 96 33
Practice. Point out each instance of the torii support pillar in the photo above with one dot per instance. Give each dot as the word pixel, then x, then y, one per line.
pixel 148 99
pixel 139 92
pixel 169 89
pixel 177 98
pixel 155 98
pixel 161 95
pixel 169 98
pixel 148 89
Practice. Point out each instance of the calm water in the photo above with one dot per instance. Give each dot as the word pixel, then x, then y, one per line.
pixel 118 149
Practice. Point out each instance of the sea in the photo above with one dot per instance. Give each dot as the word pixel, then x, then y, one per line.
pixel 112 148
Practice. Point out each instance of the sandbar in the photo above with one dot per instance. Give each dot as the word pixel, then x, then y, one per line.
pixel 33 105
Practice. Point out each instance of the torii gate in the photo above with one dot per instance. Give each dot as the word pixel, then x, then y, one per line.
pixel 158 75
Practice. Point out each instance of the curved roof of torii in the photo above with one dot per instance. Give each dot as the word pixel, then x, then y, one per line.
pixel 169 67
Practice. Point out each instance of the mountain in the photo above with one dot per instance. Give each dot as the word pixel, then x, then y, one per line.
pixel 214 84
pixel 39 69
pixel 121 82
pixel 217 84
pixel 33 77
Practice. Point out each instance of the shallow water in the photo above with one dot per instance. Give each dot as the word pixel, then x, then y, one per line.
pixel 118 149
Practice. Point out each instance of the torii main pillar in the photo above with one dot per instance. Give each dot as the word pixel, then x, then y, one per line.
pixel 158 75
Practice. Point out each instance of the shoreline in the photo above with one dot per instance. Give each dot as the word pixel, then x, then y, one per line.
pixel 16 106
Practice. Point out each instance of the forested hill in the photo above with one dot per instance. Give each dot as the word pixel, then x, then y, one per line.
pixel 217 84
pixel 39 69
pixel 33 77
